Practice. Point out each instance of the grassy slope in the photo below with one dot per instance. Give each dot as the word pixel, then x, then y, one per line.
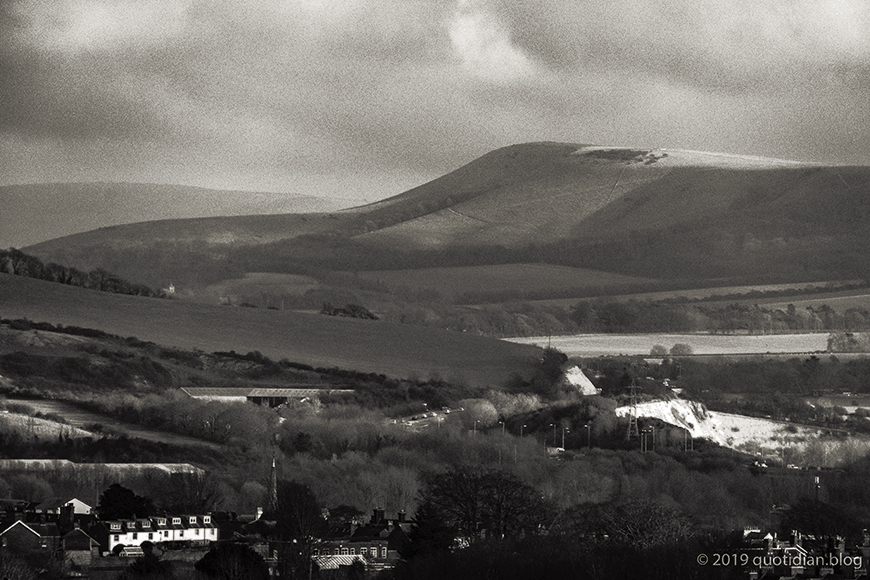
pixel 320 341
pixel 37 212
pixel 685 216
pixel 506 277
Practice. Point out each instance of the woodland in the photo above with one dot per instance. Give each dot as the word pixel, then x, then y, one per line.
pixel 356 454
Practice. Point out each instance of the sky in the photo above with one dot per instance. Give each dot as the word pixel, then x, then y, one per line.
pixel 364 99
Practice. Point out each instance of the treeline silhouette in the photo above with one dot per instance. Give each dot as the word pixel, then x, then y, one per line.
pixel 18 263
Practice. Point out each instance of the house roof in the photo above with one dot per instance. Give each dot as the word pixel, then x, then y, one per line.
pixel 56 503
pixel 294 392
pixel 217 391
pixel 325 562
pixel 41 530
pixel 13 503
pixel 77 539
pixel 244 392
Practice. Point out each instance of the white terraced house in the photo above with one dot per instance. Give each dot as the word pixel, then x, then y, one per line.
pixel 192 529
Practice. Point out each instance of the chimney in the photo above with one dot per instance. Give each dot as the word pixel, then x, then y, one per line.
pixel 259 513
pixel 402 516
pixel 378 515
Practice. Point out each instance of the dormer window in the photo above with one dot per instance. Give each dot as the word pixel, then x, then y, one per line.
pixel 206 519
pixel 161 521
pixel 115 526
pixel 145 523
pixel 176 521
pixel 192 519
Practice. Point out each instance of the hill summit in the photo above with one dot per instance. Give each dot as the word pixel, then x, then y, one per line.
pixel 656 213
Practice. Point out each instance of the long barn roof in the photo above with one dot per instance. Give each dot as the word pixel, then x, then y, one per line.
pixel 244 392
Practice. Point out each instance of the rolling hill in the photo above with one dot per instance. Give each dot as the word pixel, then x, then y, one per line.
pixel 664 215
pixel 320 341
pixel 38 212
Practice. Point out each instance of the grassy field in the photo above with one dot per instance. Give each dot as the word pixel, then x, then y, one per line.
pixel 839 301
pixel 37 427
pixel 255 283
pixel 531 278
pixel 588 345
pixel 805 293
pixel 320 341
pixel 79 418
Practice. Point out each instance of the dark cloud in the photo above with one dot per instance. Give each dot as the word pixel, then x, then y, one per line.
pixel 288 95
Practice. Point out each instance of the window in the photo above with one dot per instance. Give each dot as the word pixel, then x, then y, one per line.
pixel 383 552
pixel 192 519
pixel 150 535
pixel 353 551
pixel 135 535
pixel 115 526
pixel 176 521
pixel 197 531
pixel 363 551
pixel 336 552
pixel 181 533
pixel 344 551
pixel 206 519
pixel 117 538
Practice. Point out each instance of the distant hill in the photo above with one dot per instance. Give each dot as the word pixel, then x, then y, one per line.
pixel 38 212
pixel 396 350
pixel 665 215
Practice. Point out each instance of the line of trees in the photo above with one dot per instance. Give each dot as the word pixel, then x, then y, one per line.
pixel 18 263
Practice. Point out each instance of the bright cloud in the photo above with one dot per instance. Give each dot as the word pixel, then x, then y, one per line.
pixel 484 45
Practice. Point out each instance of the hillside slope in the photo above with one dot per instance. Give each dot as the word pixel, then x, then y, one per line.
pixel 655 213
pixel 38 212
pixel 317 340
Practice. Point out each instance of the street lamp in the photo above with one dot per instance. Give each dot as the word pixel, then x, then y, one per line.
pixel 564 430
pixel 521 430
pixel 475 427
pixel 588 437
pixel 553 425
pixel 502 426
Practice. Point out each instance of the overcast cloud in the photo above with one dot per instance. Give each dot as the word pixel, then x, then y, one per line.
pixel 351 98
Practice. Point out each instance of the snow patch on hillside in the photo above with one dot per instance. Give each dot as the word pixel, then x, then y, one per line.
pixel 689 415
pixel 575 378
pixel 750 434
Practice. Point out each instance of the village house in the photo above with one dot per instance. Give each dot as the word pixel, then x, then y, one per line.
pixel 79 551
pixel 379 542
pixel 53 506
pixel 114 535
pixel 22 537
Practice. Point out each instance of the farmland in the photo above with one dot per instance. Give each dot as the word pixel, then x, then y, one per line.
pixel 503 278
pixel 321 341
pixel 589 345
pixel 774 296
pixel 257 284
